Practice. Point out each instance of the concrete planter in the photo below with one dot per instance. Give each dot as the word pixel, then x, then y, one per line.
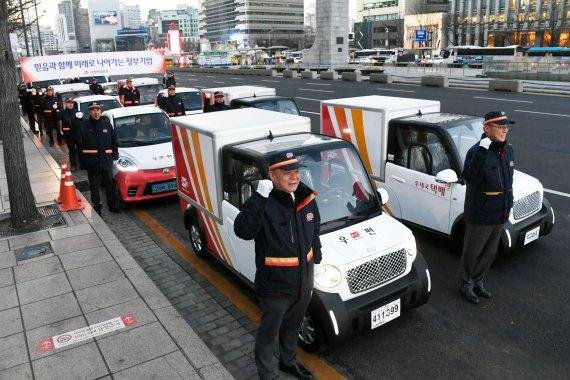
pixel 435 80
pixel 356 76
pixel 290 74
pixel 328 75
pixel 512 85
pixel 381 78
pixel 309 74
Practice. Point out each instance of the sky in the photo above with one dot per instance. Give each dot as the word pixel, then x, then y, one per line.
pixel 48 8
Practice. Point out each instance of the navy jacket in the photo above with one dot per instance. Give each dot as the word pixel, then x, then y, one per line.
pixel 70 124
pixel 172 105
pixel 97 144
pixel 131 97
pixel 489 178
pixel 286 236
pixel 50 113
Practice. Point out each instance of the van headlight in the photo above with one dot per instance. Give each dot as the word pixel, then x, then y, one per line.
pixel 125 164
pixel 327 275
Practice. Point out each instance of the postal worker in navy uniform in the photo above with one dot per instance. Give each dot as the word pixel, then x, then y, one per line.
pixel 283 219
pixel 488 172
pixel 98 148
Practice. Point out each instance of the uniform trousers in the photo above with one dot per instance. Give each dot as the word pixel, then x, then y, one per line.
pixel 96 177
pixel 479 251
pixel 280 315
pixel 72 148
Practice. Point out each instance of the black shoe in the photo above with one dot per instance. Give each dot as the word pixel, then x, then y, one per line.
pixel 469 295
pixel 115 209
pixel 481 291
pixel 296 370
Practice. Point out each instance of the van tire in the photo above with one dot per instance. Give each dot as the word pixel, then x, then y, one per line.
pixel 311 335
pixel 197 237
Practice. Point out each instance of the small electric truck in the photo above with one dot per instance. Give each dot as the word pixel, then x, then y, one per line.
pixel 370 271
pixel 417 154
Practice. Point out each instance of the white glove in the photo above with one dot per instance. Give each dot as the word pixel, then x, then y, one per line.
pixel 264 187
pixel 79 115
pixel 485 143
pixel 54 106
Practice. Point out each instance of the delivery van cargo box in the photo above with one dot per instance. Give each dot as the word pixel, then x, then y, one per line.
pixel 370 270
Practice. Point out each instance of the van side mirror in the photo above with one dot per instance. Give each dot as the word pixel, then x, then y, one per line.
pixel 447 176
pixel 383 195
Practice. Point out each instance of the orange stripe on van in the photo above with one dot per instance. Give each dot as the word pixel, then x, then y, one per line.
pixel 200 162
pixel 360 137
pixel 184 134
pixel 342 124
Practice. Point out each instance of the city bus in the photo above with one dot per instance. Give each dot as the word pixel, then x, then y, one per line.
pixel 377 55
pixel 478 54
pixel 558 53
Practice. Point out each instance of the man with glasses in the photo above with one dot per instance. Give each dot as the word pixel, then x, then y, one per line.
pixel 488 173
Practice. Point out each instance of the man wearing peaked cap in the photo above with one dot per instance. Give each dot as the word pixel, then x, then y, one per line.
pixel 172 104
pixel 71 121
pixel 98 149
pixel 215 103
pixel 50 112
pixel 488 173
pixel 283 219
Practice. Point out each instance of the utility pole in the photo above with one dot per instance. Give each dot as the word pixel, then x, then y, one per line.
pixel 24 29
pixel 38 25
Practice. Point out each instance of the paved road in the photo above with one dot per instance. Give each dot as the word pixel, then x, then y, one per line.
pixel 524 332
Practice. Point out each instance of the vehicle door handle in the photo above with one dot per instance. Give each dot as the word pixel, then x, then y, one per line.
pixel 398 179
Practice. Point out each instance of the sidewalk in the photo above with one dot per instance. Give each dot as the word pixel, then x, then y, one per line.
pixel 85 309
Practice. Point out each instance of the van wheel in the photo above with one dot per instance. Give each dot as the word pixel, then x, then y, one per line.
pixel 311 337
pixel 197 237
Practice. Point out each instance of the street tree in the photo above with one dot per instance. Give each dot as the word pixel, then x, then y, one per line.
pixel 22 202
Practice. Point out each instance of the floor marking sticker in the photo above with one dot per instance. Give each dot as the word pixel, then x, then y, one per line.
pixel 52 343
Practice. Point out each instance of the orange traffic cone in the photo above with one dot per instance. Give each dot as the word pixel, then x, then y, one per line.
pixel 64 169
pixel 68 200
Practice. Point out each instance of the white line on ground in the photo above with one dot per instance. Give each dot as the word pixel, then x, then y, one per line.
pixel 269 80
pixel 393 89
pixel 316 100
pixel 318 84
pixel 217 81
pixel 193 79
pixel 315 90
pixel 236 78
pixel 543 113
pixel 503 100
pixel 210 76
pixel 557 193
pixel 314 113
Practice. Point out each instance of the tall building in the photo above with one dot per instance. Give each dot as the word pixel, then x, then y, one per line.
pixel 48 38
pixel 185 18
pixel 104 22
pixel 82 31
pixel 253 22
pixel 131 16
pixel 65 8
pixel 513 22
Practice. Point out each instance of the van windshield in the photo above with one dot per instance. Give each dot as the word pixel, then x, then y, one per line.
pixel 106 104
pixel 343 188
pixel 148 92
pixel 278 105
pixel 145 129
pixel 465 135
pixel 192 100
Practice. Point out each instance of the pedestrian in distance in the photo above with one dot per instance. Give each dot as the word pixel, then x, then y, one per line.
pixel 95 87
pixel 37 98
pixel 283 219
pixel 215 103
pixel 27 103
pixel 488 173
pixel 98 149
pixel 50 112
pixel 71 121
pixel 169 80
pixel 171 104
pixel 129 95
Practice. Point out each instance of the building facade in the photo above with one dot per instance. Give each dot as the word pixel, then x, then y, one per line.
pixel 131 16
pixel 65 8
pixel 82 30
pixel 104 21
pixel 510 22
pixel 217 20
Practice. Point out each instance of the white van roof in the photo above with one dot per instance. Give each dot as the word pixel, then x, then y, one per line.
pixel 70 87
pixel 132 111
pixel 238 92
pixel 378 102
pixel 93 98
pixel 180 90
pixel 239 125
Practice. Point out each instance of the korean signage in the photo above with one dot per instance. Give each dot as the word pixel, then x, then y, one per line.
pixel 420 35
pixel 90 64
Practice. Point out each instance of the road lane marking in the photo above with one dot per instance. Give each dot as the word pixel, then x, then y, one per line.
pixel 236 78
pixel 315 100
pixel 503 100
pixel 543 113
pixel 315 90
pixel 192 79
pixel 217 81
pixel 557 193
pixel 211 76
pixel 314 113
pixel 319 368
pixel 318 84
pixel 269 80
pixel 393 89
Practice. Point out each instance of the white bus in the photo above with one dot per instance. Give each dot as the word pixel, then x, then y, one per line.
pixel 478 54
pixel 371 56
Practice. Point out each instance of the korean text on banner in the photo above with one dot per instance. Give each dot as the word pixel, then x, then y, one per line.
pixel 122 63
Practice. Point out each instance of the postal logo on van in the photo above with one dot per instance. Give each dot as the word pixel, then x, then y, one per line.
pixel 310 216
pixel 184 183
pixel 289 155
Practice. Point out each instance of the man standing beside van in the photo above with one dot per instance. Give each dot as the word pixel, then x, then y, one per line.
pixel 129 95
pixel 488 172
pixel 283 219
